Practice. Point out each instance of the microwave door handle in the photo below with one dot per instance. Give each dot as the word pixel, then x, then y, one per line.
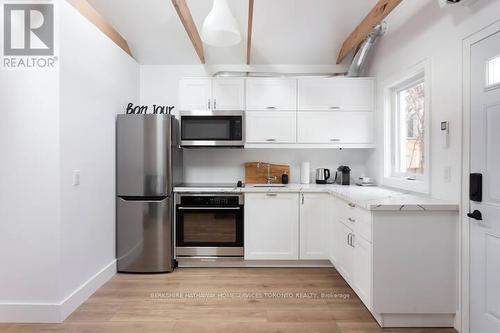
pixel 209 208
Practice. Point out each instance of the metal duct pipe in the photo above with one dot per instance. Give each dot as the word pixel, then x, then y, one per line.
pixel 359 61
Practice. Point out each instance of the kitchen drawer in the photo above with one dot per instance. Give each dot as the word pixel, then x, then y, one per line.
pixel 358 219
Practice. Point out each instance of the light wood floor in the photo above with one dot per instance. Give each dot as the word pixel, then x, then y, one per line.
pixel 128 303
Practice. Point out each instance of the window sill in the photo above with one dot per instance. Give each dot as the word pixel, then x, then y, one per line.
pixel 418 186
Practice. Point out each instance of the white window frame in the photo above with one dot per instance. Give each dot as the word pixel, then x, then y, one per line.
pixel 397 82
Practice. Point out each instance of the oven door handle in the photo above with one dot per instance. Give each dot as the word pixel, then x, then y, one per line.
pixel 209 208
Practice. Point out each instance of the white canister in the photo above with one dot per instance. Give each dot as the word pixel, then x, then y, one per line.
pixel 305 173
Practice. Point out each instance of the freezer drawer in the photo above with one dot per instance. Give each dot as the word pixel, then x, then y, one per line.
pixel 144 235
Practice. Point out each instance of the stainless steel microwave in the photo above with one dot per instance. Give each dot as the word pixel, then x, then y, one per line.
pixel 212 129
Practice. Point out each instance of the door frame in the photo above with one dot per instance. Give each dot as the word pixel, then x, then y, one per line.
pixel 464 265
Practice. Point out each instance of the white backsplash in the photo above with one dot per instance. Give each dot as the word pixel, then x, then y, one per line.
pixel 227 165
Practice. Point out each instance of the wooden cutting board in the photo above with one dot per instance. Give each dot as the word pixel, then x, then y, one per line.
pixel 256 172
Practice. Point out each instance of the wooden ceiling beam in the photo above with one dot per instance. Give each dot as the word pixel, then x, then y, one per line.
pixel 376 15
pixel 249 30
pixel 96 19
pixel 187 21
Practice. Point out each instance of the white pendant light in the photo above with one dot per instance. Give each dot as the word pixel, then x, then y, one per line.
pixel 220 27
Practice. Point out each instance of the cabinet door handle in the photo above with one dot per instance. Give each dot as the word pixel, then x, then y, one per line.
pixel 348 239
pixel 334 107
pixel 215 104
pixel 270 140
pixel 271 107
pixel 351 205
pixel 335 140
pixel 352 239
pixel 302 198
pixel 351 220
pixel 209 103
pixel 271 194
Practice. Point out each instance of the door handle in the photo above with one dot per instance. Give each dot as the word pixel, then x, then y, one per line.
pixel 476 215
pixel 208 208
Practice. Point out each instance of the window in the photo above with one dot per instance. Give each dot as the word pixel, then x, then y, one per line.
pixel 493 72
pixel 409 115
pixel 406 162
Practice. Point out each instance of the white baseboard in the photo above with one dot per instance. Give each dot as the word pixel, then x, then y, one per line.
pixel 56 312
pixel 415 320
pixel 80 295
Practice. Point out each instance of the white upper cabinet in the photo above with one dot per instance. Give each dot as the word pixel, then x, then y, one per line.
pixel 195 94
pixel 349 94
pixel 271 226
pixel 314 225
pixel 203 94
pixel 335 127
pixel 271 94
pixel 270 127
pixel 228 94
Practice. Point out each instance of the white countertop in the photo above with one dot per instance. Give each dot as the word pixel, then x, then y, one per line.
pixel 371 198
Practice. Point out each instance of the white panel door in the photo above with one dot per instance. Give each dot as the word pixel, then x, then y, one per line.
pixel 228 94
pixel 270 127
pixel 362 269
pixel 195 94
pixel 335 127
pixel 485 159
pixel 314 218
pixel 333 245
pixel 271 226
pixel 271 94
pixel 345 252
pixel 352 94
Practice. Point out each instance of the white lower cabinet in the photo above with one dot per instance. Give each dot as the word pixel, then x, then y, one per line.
pixel 345 253
pixel 271 226
pixel 270 127
pixel 351 253
pixel 362 269
pixel 314 218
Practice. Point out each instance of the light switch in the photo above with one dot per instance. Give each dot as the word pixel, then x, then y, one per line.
pixel 447 174
pixel 76 177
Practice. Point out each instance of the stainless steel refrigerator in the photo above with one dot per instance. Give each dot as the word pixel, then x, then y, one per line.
pixel 148 164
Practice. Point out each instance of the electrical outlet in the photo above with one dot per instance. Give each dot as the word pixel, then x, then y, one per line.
pixel 76 177
pixel 447 174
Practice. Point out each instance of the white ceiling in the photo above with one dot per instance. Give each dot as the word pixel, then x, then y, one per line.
pixel 284 31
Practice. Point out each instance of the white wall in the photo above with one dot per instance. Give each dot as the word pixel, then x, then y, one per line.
pixel 97 80
pixel 57 241
pixel 160 85
pixel 424 32
pixel 29 183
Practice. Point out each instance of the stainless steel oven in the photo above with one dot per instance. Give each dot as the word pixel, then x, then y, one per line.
pixel 209 225
pixel 212 129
